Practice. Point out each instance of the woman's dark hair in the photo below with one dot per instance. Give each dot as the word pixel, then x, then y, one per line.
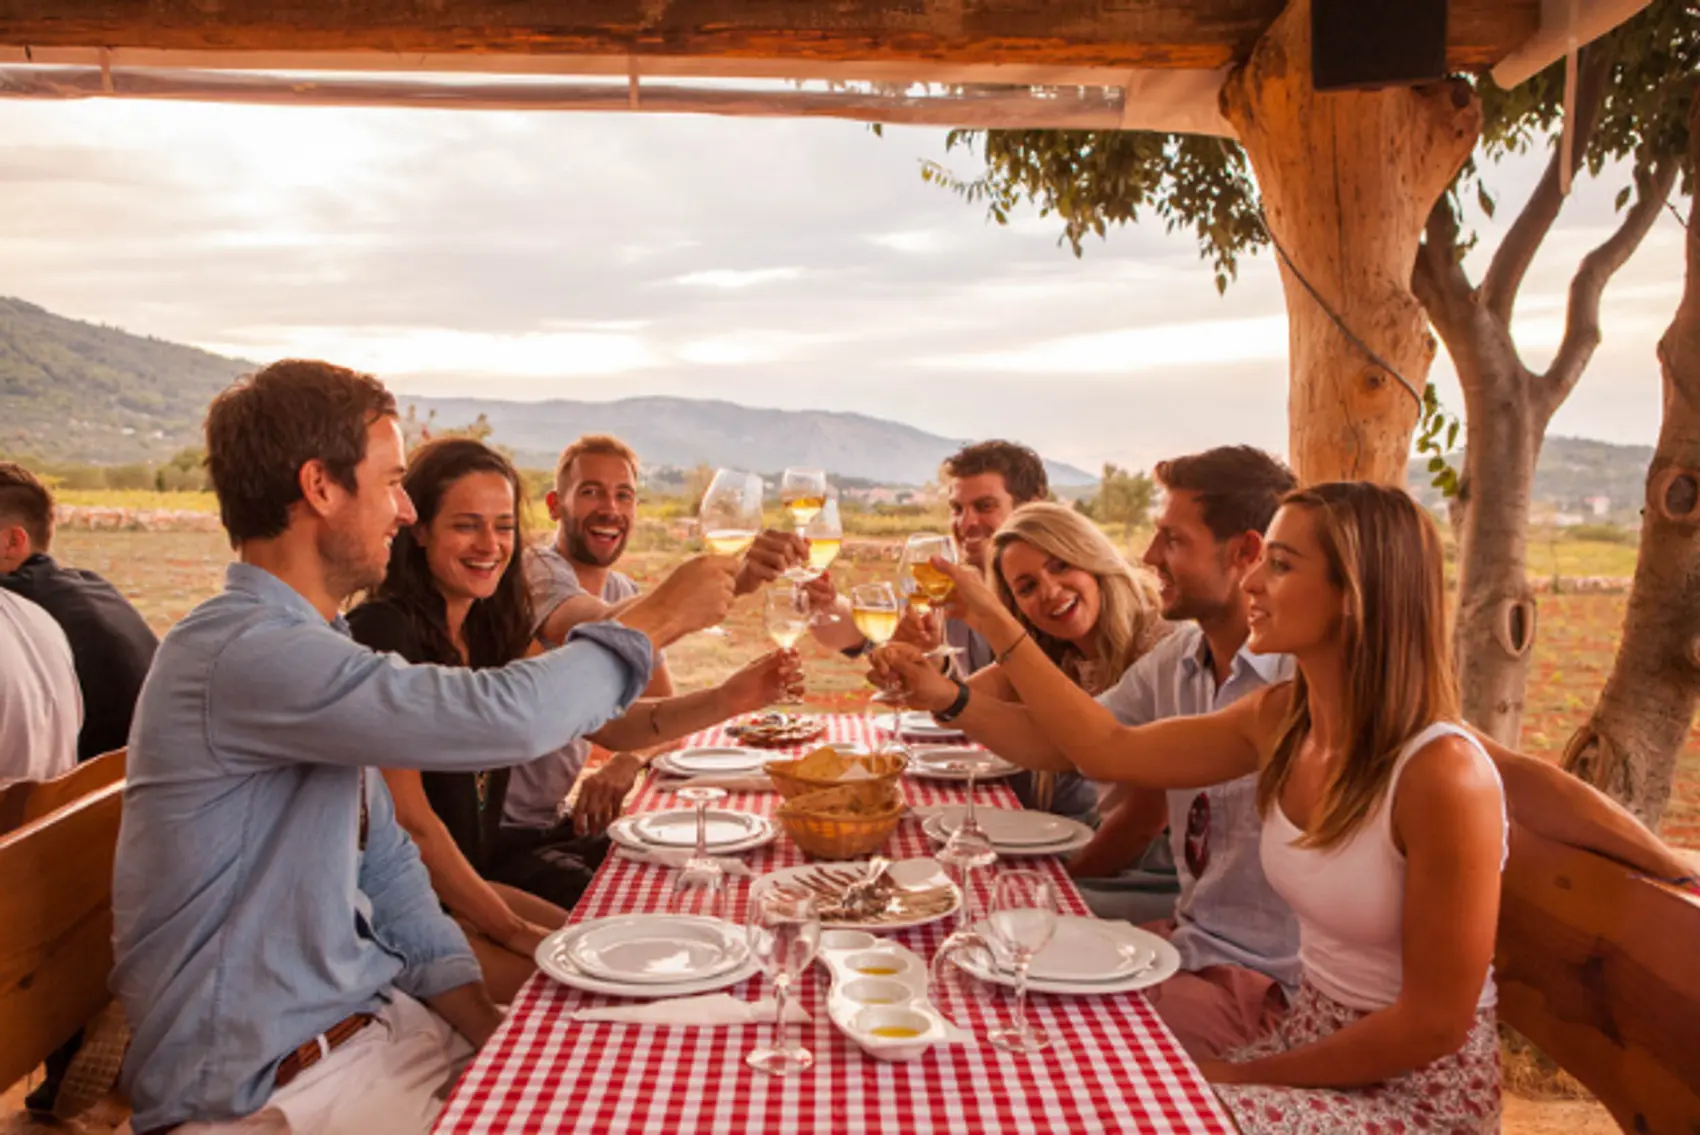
pixel 497 629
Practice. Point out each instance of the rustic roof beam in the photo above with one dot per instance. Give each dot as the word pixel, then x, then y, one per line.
pixel 1117 34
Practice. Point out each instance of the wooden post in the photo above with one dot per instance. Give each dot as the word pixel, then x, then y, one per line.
pixel 1347 181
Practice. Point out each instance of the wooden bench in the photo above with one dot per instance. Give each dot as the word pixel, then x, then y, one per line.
pixel 55 926
pixel 28 800
pixel 1600 968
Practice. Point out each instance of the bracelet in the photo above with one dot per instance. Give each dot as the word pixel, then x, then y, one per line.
pixel 1004 657
pixel 954 710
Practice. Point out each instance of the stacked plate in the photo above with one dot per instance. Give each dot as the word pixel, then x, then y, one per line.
pixel 945 762
pixel 728 832
pixel 920 724
pixel 1086 956
pixel 729 760
pixel 1013 832
pixel 647 955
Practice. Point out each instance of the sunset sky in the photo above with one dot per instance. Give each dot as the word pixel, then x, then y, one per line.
pixel 775 263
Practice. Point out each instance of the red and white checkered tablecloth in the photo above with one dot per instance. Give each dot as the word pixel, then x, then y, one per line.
pixel 1112 1065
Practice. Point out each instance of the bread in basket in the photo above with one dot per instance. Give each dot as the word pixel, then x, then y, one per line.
pixel 844 822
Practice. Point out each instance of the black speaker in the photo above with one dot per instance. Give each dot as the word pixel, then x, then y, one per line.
pixel 1376 43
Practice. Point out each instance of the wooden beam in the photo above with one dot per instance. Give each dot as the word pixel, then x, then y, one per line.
pixel 1201 34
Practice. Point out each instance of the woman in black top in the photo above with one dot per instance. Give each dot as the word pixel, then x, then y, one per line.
pixel 455 595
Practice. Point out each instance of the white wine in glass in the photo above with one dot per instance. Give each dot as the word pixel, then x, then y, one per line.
pixel 786 612
pixel 825 534
pixel 925 584
pixel 803 493
pixel 730 515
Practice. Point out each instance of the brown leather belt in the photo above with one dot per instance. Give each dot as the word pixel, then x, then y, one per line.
pixel 321 1046
pixel 307 1055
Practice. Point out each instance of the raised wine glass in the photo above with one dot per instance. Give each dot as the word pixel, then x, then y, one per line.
pixel 784 932
pixel 825 534
pixel 730 516
pixel 875 609
pixel 924 585
pixel 785 608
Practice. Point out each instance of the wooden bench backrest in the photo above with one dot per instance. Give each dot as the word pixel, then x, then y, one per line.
pixel 32 799
pixel 55 927
pixel 1600 968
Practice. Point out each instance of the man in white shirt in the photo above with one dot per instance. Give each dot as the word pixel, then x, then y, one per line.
pixel 41 706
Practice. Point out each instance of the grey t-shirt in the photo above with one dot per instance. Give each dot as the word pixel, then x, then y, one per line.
pixel 536 789
pixel 1227 913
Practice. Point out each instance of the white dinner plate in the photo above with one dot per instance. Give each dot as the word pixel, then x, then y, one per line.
pixel 1012 826
pixel 914 874
pixel 918 723
pixel 933 762
pixel 1083 951
pixel 624 831
pixel 1082 835
pixel 677 827
pixel 552 959
pixel 1164 962
pixel 657 949
pixel 721 760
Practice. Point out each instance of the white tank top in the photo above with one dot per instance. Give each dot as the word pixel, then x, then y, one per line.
pixel 1350 898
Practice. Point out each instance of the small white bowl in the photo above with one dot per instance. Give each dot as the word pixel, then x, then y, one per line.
pixel 891 1032
pixel 848 940
pixel 876 992
pixel 880 963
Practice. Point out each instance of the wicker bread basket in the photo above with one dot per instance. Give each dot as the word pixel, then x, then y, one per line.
pixel 842 822
pixel 884 770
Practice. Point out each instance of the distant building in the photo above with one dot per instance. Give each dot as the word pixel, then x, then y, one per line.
pixel 1601 506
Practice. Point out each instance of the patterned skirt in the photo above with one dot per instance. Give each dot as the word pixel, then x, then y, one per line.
pixel 1455 1095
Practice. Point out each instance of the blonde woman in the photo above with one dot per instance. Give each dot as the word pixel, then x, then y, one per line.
pixel 1383 817
pixel 1091 613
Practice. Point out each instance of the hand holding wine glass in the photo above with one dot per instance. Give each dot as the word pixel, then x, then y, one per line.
pixel 730 515
pixel 786 613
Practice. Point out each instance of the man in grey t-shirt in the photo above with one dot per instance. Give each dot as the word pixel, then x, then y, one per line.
pixel 572 580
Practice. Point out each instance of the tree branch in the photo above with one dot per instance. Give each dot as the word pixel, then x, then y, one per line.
pixel 1517 251
pixel 1582 317
pixel 1437 279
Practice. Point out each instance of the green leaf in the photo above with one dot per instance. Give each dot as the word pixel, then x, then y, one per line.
pixel 1436 464
pixel 1452 434
pixel 1623 197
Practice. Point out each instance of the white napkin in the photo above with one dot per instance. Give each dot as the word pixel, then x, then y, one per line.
pixel 705 1011
pixel 675 857
pixel 731 782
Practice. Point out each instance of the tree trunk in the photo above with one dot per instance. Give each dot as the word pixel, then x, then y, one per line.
pixel 1347 180
pixel 1630 744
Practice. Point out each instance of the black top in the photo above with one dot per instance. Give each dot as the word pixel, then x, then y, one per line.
pixel 111 645
pixel 468 803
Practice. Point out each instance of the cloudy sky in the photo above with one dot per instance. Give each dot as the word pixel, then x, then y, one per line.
pixel 776 263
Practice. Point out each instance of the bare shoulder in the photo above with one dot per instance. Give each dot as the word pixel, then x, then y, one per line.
pixel 1446 783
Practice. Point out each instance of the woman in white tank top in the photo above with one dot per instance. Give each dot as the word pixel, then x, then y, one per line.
pixel 1383 820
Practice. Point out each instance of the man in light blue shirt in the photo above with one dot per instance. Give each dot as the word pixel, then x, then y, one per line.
pixel 1237 939
pixel 280 953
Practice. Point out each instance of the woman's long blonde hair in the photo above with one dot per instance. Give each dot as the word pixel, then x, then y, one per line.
pixel 1130 618
pixel 1384 554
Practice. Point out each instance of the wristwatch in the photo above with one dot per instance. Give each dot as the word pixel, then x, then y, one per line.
pixel 954 710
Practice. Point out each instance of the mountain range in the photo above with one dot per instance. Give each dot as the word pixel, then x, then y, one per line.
pixel 74 391
pixel 83 392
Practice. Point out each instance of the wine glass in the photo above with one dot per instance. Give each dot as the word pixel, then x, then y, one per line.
pixel 730 516
pixel 925 586
pixel 1023 919
pixel 783 932
pixel 875 610
pixel 701 885
pixel 968 850
pixel 825 534
pixel 969 845
pixel 803 493
pixel 786 612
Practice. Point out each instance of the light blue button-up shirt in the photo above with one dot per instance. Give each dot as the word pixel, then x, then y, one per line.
pixel 246 919
pixel 1229 914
